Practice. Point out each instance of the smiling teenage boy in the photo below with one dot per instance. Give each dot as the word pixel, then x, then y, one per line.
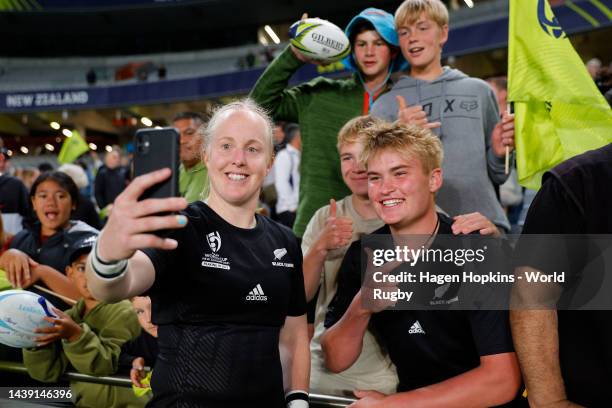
pixel 462 110
pixel 322 106
pixel 443 358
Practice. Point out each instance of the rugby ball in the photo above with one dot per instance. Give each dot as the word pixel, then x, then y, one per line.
pixel 21 312
pixel 319 40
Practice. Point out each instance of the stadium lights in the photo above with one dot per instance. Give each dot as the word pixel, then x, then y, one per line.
pixel 469 3
pixel 93 146
pixel 146 121
pixel 54 125
pixel 9 153
pixel 24 150
pixel 108 148
pixel 272 34
pixel 67 132
pixel 49 147
pixel 263 40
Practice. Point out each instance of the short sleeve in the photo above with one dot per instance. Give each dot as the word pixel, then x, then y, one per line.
pixel 491 331
pixel 349 283
pixel 297 300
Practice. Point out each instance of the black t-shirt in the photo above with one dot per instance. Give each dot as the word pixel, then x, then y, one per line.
pixel 576 198
pixel 427 347
pixel 220 299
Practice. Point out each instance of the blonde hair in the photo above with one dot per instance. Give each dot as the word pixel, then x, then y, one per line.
pixel 410 10
pixel 352 130
pixel 410 140
pixel 219 115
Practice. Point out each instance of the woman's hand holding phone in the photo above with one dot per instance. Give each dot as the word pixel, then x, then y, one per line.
pixel 131 225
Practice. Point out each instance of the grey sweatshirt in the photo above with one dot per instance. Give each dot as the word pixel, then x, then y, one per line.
pixel 468 111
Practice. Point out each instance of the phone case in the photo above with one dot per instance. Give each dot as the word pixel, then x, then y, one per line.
pixel 155 149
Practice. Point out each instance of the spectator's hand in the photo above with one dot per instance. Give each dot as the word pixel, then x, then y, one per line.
pixel 468 223
pixel 17 266
pixel 337 231
pixel 413 115
pixel 63 328
pixel 137 373
pixel 132 222
pixel 503 135
pixel 368 399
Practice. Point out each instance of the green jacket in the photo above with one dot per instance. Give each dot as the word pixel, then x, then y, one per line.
pixel 321 107
pixel 95 352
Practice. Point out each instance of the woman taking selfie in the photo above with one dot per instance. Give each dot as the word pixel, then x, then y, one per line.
pixel 226 284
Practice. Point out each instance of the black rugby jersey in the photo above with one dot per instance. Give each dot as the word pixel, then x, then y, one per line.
pixel 220 299
pixel 427 347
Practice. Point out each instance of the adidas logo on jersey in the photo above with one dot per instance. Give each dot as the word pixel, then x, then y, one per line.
pixel 257 294
pixel 416 328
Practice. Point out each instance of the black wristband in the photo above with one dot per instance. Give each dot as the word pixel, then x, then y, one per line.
pixel 296 395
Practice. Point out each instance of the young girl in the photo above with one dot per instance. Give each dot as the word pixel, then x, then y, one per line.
pixel 54 196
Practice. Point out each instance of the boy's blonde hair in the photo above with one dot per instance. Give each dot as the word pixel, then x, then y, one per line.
pixel 409 140
pixel 352 130
pixel 410 10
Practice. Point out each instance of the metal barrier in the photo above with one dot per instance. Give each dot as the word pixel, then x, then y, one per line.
pixel 316 400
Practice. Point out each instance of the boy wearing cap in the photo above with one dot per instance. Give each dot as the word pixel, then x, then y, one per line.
pixel 86 338
pixel 323 105
pixel 462 110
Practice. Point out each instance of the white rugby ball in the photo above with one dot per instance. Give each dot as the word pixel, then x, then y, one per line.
pixel 319 40
pixel 21 312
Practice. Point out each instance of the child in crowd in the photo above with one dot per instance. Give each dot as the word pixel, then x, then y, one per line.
pixel 463 111
pixel 86 338
pixel 328 234
pixel 143 349
pixel 443 358
pixel 323 105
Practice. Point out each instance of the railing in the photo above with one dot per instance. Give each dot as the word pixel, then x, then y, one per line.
pixel 316 400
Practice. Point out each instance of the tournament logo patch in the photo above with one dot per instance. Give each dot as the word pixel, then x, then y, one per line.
pixel 214 241
pixel 214 260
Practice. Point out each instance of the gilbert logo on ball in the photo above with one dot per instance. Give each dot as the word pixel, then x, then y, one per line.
pixel 20 313
pixel 319 40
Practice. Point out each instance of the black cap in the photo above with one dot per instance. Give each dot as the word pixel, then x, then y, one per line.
pixel 81 246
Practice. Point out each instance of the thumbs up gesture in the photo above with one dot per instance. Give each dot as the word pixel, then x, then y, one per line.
pixel 337 232
pixel 413 115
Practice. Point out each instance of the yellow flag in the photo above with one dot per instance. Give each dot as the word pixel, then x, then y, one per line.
pixel 559 112
pixel 72 148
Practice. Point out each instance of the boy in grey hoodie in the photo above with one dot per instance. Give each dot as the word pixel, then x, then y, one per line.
pixel 461 110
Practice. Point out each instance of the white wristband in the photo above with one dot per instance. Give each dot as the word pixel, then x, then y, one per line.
pixel 107 269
